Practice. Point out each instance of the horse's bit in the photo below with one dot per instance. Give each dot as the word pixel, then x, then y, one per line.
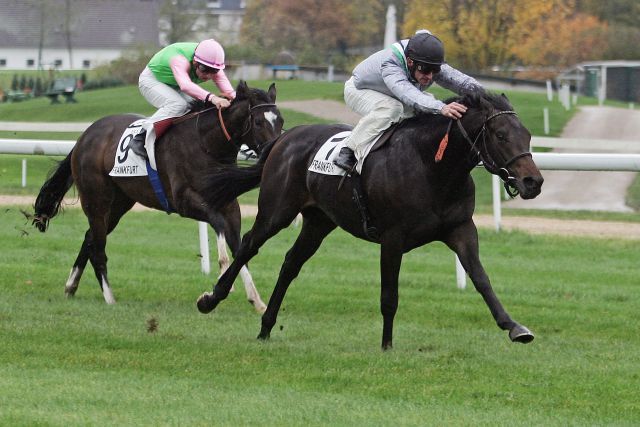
pixel 487 161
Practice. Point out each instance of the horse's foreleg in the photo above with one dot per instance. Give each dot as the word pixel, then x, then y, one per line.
pixel 223 257
pixel 391 250
pixel 250 288
pixel 315 227
pixel 464 242
pixel 208 301
pixel 232 217
pixel 265 227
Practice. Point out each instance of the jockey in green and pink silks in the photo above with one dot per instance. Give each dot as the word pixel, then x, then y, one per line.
pixel 170 82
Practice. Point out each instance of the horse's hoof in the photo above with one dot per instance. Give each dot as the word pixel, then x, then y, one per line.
pixel 263 336
pixel 259 306
pixel 206 303
pixel 70 292
pixel 520 334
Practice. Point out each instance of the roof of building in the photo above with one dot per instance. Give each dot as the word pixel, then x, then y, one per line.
pixel 97 24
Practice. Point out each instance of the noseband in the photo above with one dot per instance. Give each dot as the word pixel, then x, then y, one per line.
pixel 249 122
pixel 487 161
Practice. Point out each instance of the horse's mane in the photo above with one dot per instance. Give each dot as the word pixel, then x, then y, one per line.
pixel 473 99
pixel 197 105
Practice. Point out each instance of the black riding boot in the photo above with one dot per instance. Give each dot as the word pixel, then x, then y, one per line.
pixel 137 144
pixel 346 159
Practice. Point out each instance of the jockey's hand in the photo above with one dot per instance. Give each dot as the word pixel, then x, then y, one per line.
pixel 220 103
pixel 453 110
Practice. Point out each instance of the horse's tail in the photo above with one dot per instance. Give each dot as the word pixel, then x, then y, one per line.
pixel 50 197
pixel 227 183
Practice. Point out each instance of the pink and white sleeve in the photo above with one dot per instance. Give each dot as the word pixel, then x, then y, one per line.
pixel 221 80
pixel 180 68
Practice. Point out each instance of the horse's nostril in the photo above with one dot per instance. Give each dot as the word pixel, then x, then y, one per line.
pixel 532 182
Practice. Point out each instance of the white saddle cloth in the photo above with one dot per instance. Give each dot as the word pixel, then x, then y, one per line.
pixel 127 163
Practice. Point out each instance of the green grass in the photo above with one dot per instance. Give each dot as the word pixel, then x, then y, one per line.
pixel 80 362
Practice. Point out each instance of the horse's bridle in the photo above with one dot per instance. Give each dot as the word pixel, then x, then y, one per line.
pixel 248 122
pixel 248 127
pixel 487 161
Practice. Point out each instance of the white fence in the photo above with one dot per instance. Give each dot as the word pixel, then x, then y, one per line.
pixel 62 148
pixel 544 161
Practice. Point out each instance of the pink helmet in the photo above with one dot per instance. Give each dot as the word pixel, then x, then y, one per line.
pixel 210 53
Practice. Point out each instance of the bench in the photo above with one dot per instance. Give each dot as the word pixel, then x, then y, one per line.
pixel 15 96
pixel 289 70
pixel 63 86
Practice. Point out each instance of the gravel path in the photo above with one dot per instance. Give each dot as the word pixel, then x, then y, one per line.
pixel 582 190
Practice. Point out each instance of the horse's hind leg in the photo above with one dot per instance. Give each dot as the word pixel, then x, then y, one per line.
pixel 79 265
pixel 464 242
pixel 315 227
pixel 232 218
pixel 100 225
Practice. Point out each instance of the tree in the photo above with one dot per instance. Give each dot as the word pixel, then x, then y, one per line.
pixel 180 20
pixel 313 29
pixel 479 35
pixel 475 34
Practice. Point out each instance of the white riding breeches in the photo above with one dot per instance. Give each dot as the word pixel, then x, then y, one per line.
pixel 379 111
pixel 169 101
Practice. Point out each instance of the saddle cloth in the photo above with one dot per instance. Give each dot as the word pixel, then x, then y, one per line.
pixel 127 163
pixel 323 160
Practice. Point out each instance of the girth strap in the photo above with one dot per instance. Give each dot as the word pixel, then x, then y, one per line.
pixel 154 179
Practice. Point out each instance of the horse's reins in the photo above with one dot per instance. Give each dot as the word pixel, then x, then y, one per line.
pixel 485 156
pixel 221 120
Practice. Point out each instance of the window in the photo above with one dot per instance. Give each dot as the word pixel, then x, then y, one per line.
pixel 214 4
pixel 3 62
pixel 86 64
pixel 30 62
pixel 57 62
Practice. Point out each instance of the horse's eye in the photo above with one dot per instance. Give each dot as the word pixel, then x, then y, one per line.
pixel 258 121
pixel 500 136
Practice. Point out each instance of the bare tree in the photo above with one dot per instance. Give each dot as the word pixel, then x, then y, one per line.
pixel 181 16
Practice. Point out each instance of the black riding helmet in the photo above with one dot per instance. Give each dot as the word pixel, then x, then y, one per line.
pixel 426 51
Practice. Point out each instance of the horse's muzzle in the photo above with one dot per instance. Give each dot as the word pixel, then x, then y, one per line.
pixel 530 186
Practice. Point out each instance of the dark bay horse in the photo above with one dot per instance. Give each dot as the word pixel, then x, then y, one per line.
pixel 413 200
pixel 192 147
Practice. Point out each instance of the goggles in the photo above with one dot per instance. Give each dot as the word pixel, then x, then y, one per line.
pixel 427 68
pixel 204 69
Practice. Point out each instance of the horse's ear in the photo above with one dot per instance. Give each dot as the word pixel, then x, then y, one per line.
pixel 504 96
pixel 242 91
pixel 272 93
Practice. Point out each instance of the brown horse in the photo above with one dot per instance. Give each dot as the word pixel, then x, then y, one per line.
pixel 413 199
pixel 192 147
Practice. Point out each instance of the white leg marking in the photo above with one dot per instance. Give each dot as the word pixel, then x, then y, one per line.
pixel 223 256
pixel 252 293
pixel 106 291
pixel 71 286
pixel 271 117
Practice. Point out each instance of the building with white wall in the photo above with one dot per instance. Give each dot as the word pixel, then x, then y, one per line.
pixel 73 34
